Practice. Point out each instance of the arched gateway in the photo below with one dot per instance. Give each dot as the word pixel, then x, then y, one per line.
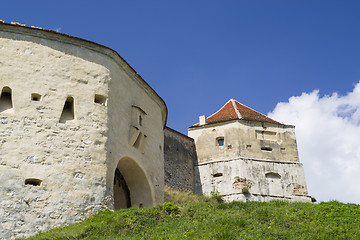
pixel 131 187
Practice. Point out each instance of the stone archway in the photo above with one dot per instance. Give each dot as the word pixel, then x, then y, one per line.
pixel 131 187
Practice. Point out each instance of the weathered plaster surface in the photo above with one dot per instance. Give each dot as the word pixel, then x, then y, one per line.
pixel 245 139
pixel 230 177
pixel 75 160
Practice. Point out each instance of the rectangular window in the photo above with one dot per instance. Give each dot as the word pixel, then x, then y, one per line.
pixel 220 141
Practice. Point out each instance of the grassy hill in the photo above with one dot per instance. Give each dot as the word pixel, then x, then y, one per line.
pixel 197 217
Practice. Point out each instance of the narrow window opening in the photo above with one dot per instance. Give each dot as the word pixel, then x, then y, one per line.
pixel 6 99
pixel 248 146
pixel 140 120
pixel 33 181
pixel 35 97
pixel 267 149
pixel 272 175
pixel 229 146
pixel 217 175
pixel 100 99
pixel 68 110
pixel 138 141
pixel 220 141
pixel 282 150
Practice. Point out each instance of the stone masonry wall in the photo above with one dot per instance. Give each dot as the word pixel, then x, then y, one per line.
pixel 180 157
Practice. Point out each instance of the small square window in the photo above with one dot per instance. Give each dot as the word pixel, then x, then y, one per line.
pixel 35 97
pixel 100 99
pixel 220 141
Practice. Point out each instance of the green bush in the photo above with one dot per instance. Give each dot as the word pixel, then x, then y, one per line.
pixel 245 190
pixel 216 195
pixel 171 208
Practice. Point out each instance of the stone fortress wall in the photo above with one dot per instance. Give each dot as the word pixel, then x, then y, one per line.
pixel 180 158
pixel 76 123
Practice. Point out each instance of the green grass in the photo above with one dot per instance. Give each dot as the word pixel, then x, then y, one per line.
pixel 203 218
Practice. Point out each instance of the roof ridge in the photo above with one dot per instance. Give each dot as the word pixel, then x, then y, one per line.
pixel 219 109
pixel 257 112
pixel 236 109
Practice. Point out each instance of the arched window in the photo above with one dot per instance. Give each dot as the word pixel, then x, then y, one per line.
pixel 68 110
pixel 35 97
pixel 272 175
pixel 6 99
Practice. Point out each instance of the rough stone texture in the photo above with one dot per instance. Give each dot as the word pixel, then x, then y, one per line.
pixel 259 156
pixel 230 177
pixel 72 161
pixel 179 160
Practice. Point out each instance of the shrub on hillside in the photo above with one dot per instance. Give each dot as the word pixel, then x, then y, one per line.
pixel 171 208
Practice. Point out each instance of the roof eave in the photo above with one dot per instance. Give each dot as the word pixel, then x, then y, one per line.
pixel 235 120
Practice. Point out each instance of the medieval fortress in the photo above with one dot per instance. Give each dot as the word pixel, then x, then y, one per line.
pixel 81 131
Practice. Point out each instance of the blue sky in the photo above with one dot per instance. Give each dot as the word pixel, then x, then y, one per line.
pixel 199 54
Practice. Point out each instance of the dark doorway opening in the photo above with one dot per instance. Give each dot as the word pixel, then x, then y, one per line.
pixel 121 192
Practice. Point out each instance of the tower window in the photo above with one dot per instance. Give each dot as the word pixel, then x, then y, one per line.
pixel 68 110
pixel 272 175
pixel 100 99
pixel 266 149
pixel 220 141
pixel 35 97
pixel 217 175
pixel 33 182
pixel 6 99
pixel 140 120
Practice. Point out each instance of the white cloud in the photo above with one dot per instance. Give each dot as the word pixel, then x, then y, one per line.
pixel 57 29
pixel 328 138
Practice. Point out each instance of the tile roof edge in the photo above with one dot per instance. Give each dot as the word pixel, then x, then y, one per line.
pixel 234 120
pixel 218 110
pixel 236 110
pixel 260 113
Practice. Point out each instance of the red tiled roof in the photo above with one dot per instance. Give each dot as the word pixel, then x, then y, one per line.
pixel 234 110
